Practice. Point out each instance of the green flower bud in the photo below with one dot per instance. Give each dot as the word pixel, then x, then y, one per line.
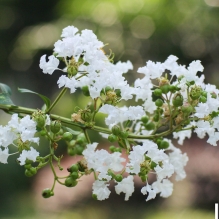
pixel 33 170
pixel 118 177
pixel 173 88
pixel 144 119
pixel 202 99
pixel 204 93
pixel 28 173
pixel 43 132
pixel 67 136
pixel 46 193
pixel 85 91
pixel 116 130
pixel 94 196
pixel 39 118
pixel 214 95
pixel 150 126
pixel 195 92
pixel 81 139
pixel 72 143
pixel 177 100
pixel 187 108
pixel 112 138
pixel 159 102
pixel 73 168
pixel 165 88
pixel 27 166
pixel 86 116
pixel 112 148
pixel 74 175
pixel 158 92
pixel 70 182
pixel 118 150
pixel 79 149
pixel 123 134
pixel 163 145
pixel 156 117
pixel 71 151
pixel 55 126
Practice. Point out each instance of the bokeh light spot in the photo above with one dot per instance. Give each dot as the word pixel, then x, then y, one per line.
pixel 142 27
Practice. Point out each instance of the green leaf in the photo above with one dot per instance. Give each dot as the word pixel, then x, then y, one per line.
pixel 45 99
pixel 5 99
pixel 5 93
pixel 73 132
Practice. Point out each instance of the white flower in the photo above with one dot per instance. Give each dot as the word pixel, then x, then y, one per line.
pixel 50 66
pixel 166 170
pixel 32 154
pixel 148 190
pixel 119 115
pixel 165 188
pixel 101 190
pixel 182 135
pixel 69 31
pixel 126 186
pixel 4 155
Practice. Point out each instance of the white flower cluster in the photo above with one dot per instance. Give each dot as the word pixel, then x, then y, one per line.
pixel 95 65
pixel 102 162
pixel 18 132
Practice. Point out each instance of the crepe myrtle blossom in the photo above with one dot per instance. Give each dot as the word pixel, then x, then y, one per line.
pixel 167 99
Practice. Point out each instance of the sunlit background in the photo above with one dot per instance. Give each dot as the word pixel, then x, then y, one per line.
pixel 135 30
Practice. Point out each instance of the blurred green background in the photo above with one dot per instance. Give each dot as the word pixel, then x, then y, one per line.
pixel 139 31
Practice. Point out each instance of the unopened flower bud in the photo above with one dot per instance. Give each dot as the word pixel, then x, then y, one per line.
pixel 46 193
pixel 55 126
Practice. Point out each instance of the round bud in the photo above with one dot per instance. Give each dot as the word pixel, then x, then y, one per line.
pixel 165 88
pixel 73 168
pixel 177 100
pixel 214 95
pixel 163 145
pixel 144 119
pixel 72 143
pixel 112 148
pixel 46 193
pixel 55 126
pixel 85 91
pixel 172 88
pixel 112 138
pixel 71 151
pixel 33 170
pixel 70 182
pixel 74 175
pixel 43 132
pixel 67 136
pixel 118 177
pixel 116 130
pixel 118 150
pixel 157 92
pixel 94 196
pixel 150 126
pixel 156 118
pixel 28 173
pixel 27 166
pixel 79 149
pixel 204 93
pixel 159 102
pixel 203 99
pixel 123 134
pixel 81 139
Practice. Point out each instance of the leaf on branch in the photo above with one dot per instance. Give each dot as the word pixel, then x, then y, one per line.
pixel 5 93
pixel 45 99
pixel 73 132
